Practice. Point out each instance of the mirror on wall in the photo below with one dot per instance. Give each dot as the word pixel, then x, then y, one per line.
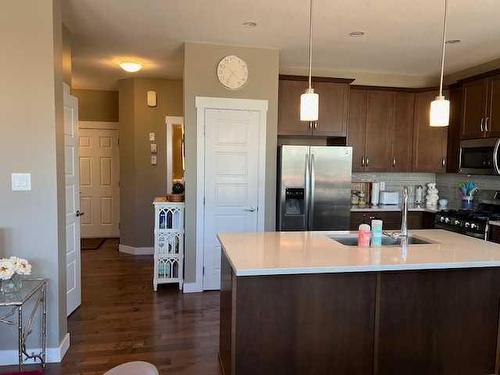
pixel 175 151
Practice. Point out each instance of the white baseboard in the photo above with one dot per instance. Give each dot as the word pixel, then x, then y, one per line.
pixel 192 288
pixel 54 355
pixel 136 250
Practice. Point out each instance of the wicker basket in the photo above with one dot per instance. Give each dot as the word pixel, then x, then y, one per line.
pixel 175 197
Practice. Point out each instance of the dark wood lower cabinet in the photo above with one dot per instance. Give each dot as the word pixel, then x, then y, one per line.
pixel 438 322
pixel 392 219
pixel 410 322
pixel 494 234
pixel 297 324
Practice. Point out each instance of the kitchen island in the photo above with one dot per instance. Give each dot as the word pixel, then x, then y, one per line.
pixel 303 303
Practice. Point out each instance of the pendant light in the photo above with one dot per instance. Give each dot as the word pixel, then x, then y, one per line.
pixel 440 108
pixel 309 101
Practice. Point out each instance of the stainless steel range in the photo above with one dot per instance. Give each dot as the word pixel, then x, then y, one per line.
pixel 473 222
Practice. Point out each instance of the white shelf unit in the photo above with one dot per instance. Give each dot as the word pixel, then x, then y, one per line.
pixel 169 242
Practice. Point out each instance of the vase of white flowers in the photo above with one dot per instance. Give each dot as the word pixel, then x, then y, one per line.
pixel 11 270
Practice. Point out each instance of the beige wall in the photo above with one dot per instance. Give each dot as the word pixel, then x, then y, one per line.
pixel 32 223
pixel 469 72
pixel 200 79
pixel 66 62
pixel 140 181
pixel 97 105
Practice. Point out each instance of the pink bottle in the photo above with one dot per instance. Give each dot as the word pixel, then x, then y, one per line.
pixel 364 235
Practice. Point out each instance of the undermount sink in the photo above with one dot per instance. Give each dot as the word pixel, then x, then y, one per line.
pixel 352 240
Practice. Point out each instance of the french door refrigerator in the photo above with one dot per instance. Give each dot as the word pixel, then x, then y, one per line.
pixel 314 188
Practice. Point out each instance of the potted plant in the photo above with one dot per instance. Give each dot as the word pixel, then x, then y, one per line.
pixel 177 192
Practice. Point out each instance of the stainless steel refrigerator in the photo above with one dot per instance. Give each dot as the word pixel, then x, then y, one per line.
pixel 314 187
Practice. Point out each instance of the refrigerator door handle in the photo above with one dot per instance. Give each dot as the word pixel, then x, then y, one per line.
pixel 307 178
pixel 312 188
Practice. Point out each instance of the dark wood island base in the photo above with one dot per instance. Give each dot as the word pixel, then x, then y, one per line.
pixel 398 322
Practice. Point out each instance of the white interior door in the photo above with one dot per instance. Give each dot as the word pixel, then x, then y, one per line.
pixel 231 182
pixel 99 183
pixel 73 271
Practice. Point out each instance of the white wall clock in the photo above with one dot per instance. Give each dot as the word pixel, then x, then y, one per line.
pixel 232 72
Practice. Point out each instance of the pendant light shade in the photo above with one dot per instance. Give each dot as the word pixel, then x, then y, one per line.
pixel 440 112
pixel 309 100
pixel 440 108
pixel 309 106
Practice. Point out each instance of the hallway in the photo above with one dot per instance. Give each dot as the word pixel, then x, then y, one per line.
pixel 121 319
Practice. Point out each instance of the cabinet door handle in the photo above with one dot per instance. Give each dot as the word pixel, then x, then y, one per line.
pixel 315 125
pixel 482 124
pixel 393 162
pixel 363 161
pixel 367 161
pixel 443 162
pixel 486 123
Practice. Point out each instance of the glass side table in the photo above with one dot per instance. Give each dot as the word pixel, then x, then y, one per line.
pixel 30 295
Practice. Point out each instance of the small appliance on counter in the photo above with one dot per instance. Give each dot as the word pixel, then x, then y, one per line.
pixel 389 197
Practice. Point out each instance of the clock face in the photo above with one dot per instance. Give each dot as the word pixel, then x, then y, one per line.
pixel 232 72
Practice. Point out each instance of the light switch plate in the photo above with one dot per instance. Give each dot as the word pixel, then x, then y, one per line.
pixel 21 181
pixel 152 137
pixel 154 148
pixel 154 160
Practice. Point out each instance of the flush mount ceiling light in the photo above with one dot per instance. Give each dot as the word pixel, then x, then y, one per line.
pixel 356 34
pixel 130 67
pixel 309 101
pixel 453 41
pixel 440 108
pixel 250 24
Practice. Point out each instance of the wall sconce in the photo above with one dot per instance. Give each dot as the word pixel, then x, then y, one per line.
pixel 152 99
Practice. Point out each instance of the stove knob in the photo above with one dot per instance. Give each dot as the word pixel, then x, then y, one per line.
pixel 456 222
pixel 473 226
pixel 447 220
pixel 467 224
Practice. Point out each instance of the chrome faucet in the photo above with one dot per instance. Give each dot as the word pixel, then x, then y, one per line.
pixel 404 213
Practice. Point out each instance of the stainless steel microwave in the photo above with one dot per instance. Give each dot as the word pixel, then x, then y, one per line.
pixel 480 156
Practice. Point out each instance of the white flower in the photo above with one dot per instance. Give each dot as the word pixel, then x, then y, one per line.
pixel 21 266
pixel 7 269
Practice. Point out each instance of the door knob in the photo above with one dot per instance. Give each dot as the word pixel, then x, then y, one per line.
pixel 79 213
pixel 250 209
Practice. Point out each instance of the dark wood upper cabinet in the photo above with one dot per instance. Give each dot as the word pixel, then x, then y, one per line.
pixel 493 123
pixel 402 134
pixel 481 108
pixel 289 108
pixel 453 151
pixel 474 109
pixel 356 130
pixel 429 143
pixel 379 126
pixel 333 109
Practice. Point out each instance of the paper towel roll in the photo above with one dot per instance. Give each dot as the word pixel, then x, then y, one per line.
pixel 375 193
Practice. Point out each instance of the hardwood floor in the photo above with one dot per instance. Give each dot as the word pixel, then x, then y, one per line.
pixel 121 319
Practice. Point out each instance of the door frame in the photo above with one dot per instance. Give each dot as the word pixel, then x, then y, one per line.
pixel 202 105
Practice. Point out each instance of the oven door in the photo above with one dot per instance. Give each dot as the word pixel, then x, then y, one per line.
pixel 480 156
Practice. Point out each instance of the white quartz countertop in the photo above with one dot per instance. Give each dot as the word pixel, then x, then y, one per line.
pixel 274 253
pixel 390 207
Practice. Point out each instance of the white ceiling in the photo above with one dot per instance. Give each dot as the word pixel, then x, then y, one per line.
pixel 402 36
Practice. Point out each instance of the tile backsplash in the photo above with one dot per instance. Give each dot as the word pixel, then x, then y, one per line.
pixel 447 185
pixel 395 181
